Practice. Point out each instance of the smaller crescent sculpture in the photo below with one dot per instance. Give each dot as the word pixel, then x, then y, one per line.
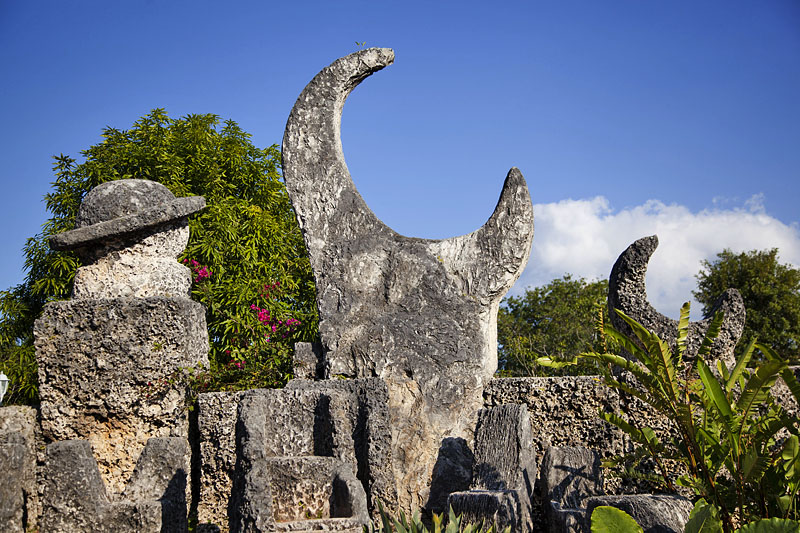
pixel 627 292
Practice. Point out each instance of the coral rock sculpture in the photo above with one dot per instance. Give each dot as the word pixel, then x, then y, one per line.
pixel 421 314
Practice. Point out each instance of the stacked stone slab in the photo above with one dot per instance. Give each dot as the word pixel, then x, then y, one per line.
pixel 75 497
pixel 19 497
pixel 371 443
pixel 569 476
pixel 295 463
pixel 655 513
pixel 504 472
pixel 111 358
pixel 420 314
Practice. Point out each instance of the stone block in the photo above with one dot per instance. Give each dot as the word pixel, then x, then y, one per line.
pixel 656 513
pixel 303 491
pixel 563 411
pixel 20 505
pixel 372 436
pixel 504 471
pixel 75 498
pixel 216 421
pixel 500 508
pixel 162 474
pixel 107 371
pixel 566 520
pixel 451 473
pixel 569 475
pixel 13 517
pixel 504 457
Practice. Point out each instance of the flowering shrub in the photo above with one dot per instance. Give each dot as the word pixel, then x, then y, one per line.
pixel 199 272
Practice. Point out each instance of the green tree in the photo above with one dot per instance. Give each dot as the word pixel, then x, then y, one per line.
pixel 246 251
pixel 557 320
pixel 771 294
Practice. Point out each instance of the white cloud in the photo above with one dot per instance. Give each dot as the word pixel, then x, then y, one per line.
pixel 585 237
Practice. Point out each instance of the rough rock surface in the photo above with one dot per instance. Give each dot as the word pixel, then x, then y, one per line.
pixel 570 474
pixel 419 313
pixel 656 513
pixel 216 420
pixel 295 463
pixel 504 470
pixel 138 267
pixel 372 436
pixel 451 473
pixel 562 411
pixel 500 508
pixel 504 457
pixel 627 292
pixel 19 496
pixel 75 499
pixel 162 474
pixel 105 368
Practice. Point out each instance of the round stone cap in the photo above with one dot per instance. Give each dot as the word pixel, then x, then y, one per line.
pixel 120 207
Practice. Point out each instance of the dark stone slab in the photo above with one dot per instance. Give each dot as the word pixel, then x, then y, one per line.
pixel 569 475
pixel 451 473
pixel 656 513
pixel 75 498
pixel 162 474
pixel 20 505
pixel 500 508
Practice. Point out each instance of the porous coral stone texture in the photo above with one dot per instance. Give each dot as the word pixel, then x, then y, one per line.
pixel 420 314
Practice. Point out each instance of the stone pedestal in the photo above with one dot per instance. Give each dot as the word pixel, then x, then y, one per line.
pixel 110 372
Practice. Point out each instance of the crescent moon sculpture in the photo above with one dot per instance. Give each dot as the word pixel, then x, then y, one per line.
pixel 627 292
pixel 419 313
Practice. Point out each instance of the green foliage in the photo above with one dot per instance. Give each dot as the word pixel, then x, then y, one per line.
pixel 246 251
pixel 452 524
pixel 724 426
pixel 607 519
pixel 549 324
pixel 704 519
pixel 771 294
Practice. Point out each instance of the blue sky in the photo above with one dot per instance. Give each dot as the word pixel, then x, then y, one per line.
pixel 627 118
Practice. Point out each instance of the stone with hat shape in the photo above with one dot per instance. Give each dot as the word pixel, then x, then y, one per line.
pixel 129 233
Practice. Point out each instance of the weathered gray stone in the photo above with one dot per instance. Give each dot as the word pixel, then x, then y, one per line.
pixel 75 498
pixel 627 292
pixel 122 207
pixel 12 492
pixel 571 474
pixel 308 360
pixel 216 420
pixel 504 455
pixel 498 508
pixel 451 473
pixel 504 470
pixel 20 505
pixel 566 520
pixel 563 411
pixel 372 436
pixel 295 467
pixel 107 373
pixel 419 313
pixel 162 474
pixel 656 513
